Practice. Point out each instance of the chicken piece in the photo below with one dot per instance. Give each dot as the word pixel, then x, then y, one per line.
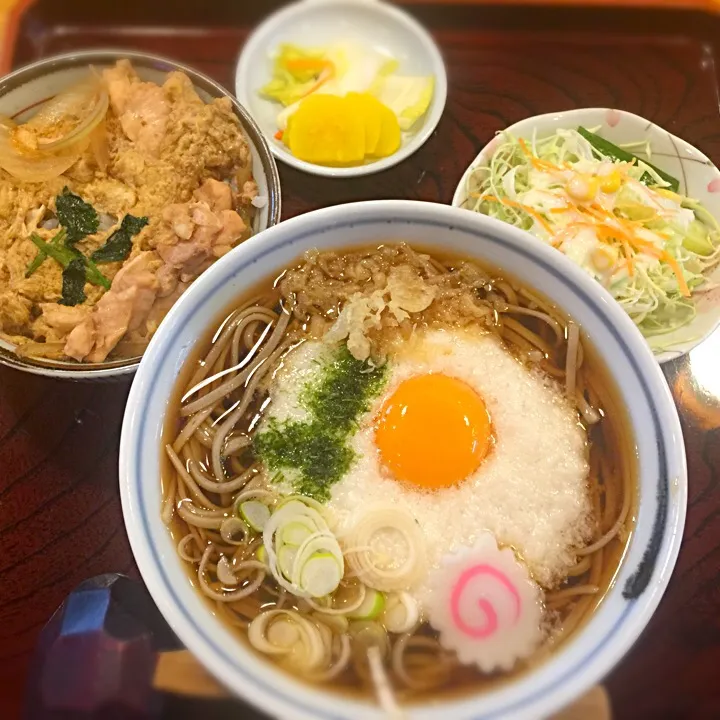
pixel 112 317
pixel 217 195
pixel 81 340
pixel 63 319
pixel 141 107
pixel 124 307
pixel 139 274
pixel 163 306
pixel 187 258
pixel 167 277
pixel 179 218
pixel 205 218
pixel 179 89
pixel 249 192
pixel 233 230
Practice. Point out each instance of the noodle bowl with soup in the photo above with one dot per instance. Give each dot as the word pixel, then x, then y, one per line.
pixel 402 475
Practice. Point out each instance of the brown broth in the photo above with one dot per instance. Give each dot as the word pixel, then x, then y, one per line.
pixel 613 434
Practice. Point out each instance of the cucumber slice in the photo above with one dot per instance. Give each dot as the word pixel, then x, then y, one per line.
pixel 255 514
pixel 371 606
pixel 295 534
pixel 320 574
pixel 286 560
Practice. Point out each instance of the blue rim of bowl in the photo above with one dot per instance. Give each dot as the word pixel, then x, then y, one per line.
pixel 485 234
pixel 116 369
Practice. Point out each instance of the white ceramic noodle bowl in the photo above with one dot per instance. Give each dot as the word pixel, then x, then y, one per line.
pixel 652 552
pixel 698 176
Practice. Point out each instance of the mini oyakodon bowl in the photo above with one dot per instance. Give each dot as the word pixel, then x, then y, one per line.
pixel 661 482
pixel 24 88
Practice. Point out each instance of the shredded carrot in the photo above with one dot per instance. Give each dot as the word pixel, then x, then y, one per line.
pixel 317 64
pixel 279 135
pixel 537 163
pixel 327 73
pixel 512 203
pixel 673 263
pixel 628 257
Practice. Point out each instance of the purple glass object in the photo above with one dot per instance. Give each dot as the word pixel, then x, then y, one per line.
pixel 96 656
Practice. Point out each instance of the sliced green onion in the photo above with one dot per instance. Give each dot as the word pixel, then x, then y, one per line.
pixel 371 607
pixel 255 514
pixel 261 554
pixel 300 548
pixel 295 533
pixel 286 560
pixel 320 574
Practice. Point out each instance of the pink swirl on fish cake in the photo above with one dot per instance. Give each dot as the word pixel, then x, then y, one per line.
pixel 485 605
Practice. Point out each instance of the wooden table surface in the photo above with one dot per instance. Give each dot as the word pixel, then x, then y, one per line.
pixel 60 517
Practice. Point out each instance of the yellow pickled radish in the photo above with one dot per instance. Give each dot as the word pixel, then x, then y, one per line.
pixel 326 131
pixel 390 139
pixel 369 108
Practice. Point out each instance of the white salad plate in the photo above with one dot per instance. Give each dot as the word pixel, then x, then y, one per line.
pixel 698 176
pixel 651 415
pixel 314 23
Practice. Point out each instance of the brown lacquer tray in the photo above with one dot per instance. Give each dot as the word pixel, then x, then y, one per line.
pixel 60 518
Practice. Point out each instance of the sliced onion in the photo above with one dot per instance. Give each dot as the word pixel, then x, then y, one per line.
pixel 37 167
pixel 361 556
pixel 287 633
pixel 401 613
pixel 99 145
pixel 81 108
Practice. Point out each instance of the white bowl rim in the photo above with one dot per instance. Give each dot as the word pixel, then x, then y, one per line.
pixel 265 691
pixel 116 370
pixel 256 42
pixel 460 195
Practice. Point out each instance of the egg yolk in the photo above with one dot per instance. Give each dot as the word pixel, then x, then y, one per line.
pixel 433 431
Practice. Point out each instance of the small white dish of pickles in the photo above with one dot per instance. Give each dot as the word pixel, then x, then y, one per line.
pixel 342 88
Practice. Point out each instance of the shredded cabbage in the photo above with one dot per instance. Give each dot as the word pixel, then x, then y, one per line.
pixel 650 247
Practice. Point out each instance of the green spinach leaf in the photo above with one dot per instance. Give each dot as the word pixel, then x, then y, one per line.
pixel 118 246
pixel 73 282
pixel 76 216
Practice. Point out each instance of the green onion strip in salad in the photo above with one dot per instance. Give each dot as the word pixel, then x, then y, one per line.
pixel 619 220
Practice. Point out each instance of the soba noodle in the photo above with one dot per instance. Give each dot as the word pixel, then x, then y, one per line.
pixel 211 469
